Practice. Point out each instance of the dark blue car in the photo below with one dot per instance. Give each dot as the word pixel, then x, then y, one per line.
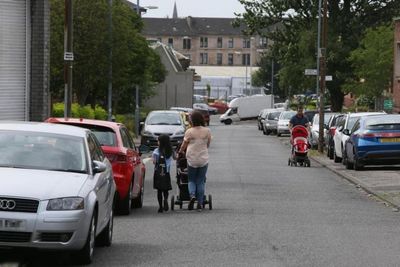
pixel 374 140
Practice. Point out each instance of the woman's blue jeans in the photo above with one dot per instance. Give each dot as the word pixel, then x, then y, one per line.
pixel 197 179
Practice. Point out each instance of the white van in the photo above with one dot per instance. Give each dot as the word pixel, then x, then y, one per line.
pixel 246 108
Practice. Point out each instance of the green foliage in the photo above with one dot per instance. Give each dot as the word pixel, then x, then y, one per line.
pixel 86 112
pixel 100 113
pixel 372 62
pixel 58 110
pixel 128 120
pixel 294 37
pixel 133 61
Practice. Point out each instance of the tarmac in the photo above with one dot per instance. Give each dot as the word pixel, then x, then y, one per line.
pixel 380 181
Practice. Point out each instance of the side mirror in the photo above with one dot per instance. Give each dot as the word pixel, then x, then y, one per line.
pixel 326 127
pixel 346 132
pixel 144 149
pixel 141 123
pixel 98 166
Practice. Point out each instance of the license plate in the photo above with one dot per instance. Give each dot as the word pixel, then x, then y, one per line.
pixel 9 224
pixel 390 140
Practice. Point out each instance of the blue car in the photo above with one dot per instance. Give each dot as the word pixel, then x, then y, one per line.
pixel 374 140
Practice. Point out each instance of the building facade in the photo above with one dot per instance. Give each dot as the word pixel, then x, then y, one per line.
pixel 396 72
pixel 207 41
pixel 24 59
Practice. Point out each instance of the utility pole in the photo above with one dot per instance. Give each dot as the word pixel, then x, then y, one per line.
pixel 137 110
pixel 323 78
pixel 272 82
pixel 68 57
pixel 318 49
pixel 110 58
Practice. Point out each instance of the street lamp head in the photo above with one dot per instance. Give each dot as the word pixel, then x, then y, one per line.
pixel 151 7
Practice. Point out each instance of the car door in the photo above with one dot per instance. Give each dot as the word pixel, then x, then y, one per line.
pixel 130 153
pixel 350 143
pixel 103 180
pixel 337 138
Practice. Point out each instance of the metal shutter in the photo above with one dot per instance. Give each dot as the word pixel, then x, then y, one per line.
pixel 14 59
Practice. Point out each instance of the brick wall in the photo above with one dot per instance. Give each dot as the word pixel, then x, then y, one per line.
pixel 396 75
pixel 40 60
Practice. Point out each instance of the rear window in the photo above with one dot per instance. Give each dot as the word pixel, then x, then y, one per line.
pixel 164 119
pixel 383 123
pixel 287 115
pixel 105 135
pixel 273 115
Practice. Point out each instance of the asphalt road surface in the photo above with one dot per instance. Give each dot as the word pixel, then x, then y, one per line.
pixel 265 213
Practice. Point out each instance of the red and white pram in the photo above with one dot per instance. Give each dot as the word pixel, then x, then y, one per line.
pixel 300 147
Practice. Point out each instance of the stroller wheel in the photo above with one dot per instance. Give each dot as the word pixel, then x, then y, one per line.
pixel 288 163
pixel 210 202
pixel 172 202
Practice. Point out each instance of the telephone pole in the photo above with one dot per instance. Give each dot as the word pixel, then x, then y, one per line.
pixel 68 57
pixel 323 78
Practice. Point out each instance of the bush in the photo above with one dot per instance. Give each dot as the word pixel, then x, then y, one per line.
pixel 86 112
pixel 58 110
pixel 100 113
pixel 79 112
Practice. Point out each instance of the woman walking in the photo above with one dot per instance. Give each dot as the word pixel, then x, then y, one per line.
pixel 162 159
pixel 196 142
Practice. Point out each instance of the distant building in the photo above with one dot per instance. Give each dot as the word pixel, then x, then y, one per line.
pixel 396 78
pixel 24 60
pixel 177 89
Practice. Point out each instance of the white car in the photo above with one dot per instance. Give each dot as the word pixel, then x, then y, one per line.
pixel 57 189
pixel 283 122
pixel 339 139
pixel 314 133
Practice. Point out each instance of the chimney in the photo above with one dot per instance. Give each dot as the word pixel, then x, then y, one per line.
pixel 175 14
pixel 189 21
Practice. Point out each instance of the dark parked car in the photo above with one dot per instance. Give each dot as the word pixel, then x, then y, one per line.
pixel 374 140
pixel 330 132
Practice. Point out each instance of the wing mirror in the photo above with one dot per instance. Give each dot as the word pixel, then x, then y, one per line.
pixel 98 166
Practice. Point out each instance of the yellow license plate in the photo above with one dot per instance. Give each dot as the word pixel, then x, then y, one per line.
pixel 390 140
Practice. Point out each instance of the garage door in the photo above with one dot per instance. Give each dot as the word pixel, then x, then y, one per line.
pixel 14 59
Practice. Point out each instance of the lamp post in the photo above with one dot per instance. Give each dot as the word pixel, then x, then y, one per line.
pixel 110 56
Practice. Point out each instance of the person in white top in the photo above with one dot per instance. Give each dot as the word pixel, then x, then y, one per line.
pixel 195 143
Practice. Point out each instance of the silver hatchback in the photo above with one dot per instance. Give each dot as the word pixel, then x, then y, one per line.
pixel 56 189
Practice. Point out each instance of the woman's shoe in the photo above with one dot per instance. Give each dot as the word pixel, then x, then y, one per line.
pixel 160 210
pixel 199 208
pixel 166 208
pixel 191 203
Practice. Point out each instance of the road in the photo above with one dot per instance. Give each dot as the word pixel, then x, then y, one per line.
pixel 265 213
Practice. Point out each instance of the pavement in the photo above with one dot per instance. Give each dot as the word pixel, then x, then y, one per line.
pixel 383 182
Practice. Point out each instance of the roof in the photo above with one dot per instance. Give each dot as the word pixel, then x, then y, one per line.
pixel 190 26
pixel 108 124
pixel 42 127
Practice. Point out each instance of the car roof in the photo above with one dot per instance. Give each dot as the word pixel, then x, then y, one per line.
pixel 42 127
pixel 360 114
pixel 164 111
pixel 108 124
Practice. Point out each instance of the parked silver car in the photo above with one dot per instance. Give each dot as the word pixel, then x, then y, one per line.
pixel 270 124
pixel 283 122
pixel 57 190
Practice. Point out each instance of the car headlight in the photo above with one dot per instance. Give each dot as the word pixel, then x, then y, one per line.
pixel 68 203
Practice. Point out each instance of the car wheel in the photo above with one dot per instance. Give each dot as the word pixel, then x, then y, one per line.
pixel 172 202
pixel 124 207
pixel 357 165
pixel 278 134
pixel 349 165
pixel 85 255
pixel 138 202
pixel 228 122
pixel 264 131
pixel 105 237
pixel 336 158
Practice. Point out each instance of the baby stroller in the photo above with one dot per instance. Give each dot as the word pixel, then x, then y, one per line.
pixel 300 147
pixel 182 181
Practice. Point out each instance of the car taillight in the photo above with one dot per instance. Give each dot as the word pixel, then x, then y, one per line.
pixel 332 130
pixel 377 135
pixel 116 157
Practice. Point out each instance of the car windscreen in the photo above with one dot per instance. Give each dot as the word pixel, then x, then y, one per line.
pixel 287 115
pixel 164 119
pixel 383 123
pixel 32 150
pixel 105 135
pixel 351 122
pixel 273 115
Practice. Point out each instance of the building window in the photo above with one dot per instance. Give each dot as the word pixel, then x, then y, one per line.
pixel 246 42
pixel 203 42
pixel 219 59
pixel 171 42
pixel 219 42
pixel 230 59
pixel 245 59
pixel 187 43
pixel 263 42
pixel 230 43
pixel 203 58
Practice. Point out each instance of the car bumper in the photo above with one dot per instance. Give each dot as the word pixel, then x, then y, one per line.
pixel 283 130
pixel 379 157
pixel 152 141
pixel 58 230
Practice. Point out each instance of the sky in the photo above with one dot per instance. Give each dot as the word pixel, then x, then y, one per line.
pixel 194 8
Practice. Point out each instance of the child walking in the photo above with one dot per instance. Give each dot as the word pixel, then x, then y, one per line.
pixel 162 159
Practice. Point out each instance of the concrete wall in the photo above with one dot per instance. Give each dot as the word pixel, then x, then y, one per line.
pixel 396 78
pixel 176 90
pixel 40 60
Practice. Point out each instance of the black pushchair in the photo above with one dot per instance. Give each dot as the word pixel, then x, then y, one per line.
pixel 182 180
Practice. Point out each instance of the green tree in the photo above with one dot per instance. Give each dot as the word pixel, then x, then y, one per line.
pixel 291 25
pixel 372 62
pixel 134 62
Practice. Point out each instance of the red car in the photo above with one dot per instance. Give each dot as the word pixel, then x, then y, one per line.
pixel 221 106
pixel 118 146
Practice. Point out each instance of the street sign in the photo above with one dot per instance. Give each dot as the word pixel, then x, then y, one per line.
pixel 328 78
pixel 310 72
pixel 69 56
pixel 388 104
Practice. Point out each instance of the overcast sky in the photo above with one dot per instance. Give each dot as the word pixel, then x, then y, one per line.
pixel 194 8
